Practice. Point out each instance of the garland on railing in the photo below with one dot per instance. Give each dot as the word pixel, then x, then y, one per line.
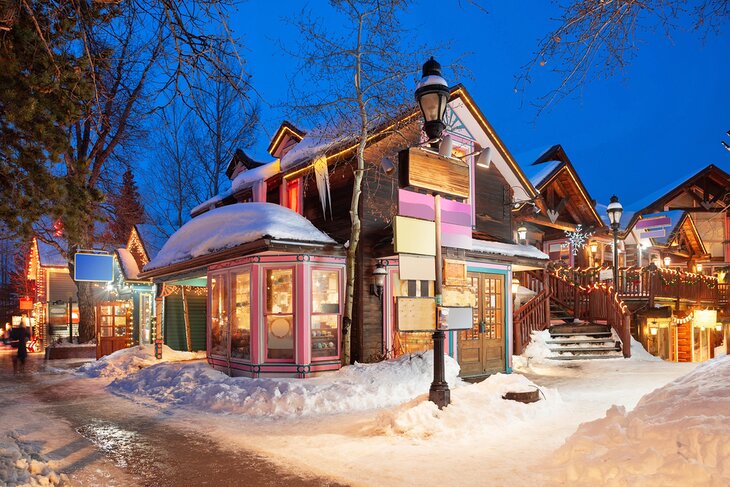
pixel 671 277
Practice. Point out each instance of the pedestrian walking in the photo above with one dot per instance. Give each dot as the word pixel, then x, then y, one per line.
pixel 20 337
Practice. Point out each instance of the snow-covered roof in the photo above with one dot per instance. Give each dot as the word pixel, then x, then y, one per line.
pixel 314 144
pixel 510 250
pixel 233 225
pixel 129 266
pixel 242 181
pixel 50 256
pixel 537 173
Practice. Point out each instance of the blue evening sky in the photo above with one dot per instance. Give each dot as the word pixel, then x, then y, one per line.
pixel 660 119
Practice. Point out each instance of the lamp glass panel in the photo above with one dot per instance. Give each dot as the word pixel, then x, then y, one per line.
pixel 431 106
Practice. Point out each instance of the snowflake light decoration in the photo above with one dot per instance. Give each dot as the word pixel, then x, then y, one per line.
pixel 578 239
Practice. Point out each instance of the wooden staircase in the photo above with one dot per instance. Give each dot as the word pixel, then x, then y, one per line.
pixel 585 322
pixel 583 341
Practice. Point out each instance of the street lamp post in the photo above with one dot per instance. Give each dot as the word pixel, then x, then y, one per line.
pixel 432 95
pixel 614 211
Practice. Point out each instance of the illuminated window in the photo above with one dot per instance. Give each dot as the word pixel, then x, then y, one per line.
pixel 279 313
pixel 293 195
pixel 325 313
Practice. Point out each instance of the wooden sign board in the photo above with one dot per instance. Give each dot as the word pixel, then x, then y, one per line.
pixel 413 236
pixel 455 273
pixel 416 314
pixel 458 296
pixel 424 169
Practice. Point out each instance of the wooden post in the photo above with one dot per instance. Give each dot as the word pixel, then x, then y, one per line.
pixel 546 286
pixel 186 317
pixel 159 303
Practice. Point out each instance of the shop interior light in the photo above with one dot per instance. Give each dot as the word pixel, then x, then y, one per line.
pixel 718 327
pixel 594 247
pixel 667 261
pixel 654 330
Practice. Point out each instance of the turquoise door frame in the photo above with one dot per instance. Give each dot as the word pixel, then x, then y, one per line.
pixel 507 273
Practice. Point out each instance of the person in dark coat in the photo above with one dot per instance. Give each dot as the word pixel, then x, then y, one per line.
pixel 20 337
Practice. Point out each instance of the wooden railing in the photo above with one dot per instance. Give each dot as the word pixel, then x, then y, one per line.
pixel 593 302
pixel 603 304
pixel 650 283
pixel 534 315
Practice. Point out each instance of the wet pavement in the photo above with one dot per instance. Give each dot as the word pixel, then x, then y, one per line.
pixel 136 440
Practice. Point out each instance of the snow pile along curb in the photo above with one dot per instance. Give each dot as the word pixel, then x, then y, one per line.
pixel 355 388
pixel 21 466
pixel 472 401
pixel 676 435
pixel 129 360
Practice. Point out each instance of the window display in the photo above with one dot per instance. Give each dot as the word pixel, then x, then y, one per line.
pixel 279 314
pixel 218 315
pixel 325 313
pixel 241 324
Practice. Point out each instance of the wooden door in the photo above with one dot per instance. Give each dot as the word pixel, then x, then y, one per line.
pixel 482 348
pixel 113 319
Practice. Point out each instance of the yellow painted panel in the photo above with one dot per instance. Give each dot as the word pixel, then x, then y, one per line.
pixel 413 236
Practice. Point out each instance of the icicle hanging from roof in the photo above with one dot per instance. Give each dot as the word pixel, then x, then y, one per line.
pixel 321 174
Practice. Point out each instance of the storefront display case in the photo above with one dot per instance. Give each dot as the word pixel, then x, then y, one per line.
pixel 277 314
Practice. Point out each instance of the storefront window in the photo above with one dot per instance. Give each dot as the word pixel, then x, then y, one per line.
pixel 241 324
pixel 218 315
pixel 701 339
pixel 325 313
pixel 145 318
pixel 280 314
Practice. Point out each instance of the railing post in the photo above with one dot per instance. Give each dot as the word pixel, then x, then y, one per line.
pixel 626 336
pixel 546 287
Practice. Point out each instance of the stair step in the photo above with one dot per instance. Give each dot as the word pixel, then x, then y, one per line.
pixel 581 340
pixel 613 348
pixel 582 333
pixel 585 357
pixel 582 327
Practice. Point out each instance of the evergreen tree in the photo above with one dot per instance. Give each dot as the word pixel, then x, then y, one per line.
pixel 127 209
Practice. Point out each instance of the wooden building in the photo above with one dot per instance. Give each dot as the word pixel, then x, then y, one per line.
pixel 124 306
pixel 312 176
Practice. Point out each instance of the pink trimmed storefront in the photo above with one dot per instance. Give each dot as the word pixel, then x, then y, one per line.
pixel 275 315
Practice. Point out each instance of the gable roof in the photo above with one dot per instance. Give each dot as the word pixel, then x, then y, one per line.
pixel 286 132
pixel 709 177
pixel 240 157
pixel 313 145
pixel 684 227
pixel 553 167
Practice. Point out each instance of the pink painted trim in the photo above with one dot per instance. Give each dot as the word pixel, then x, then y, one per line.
pixel 389 307
pixel 341 283
pixel 301 312
pixel 256 324
pixel 266 358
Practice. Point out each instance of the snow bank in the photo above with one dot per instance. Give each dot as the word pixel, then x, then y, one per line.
pixel 677 435
pixel 129 360
pixel 474 401
pixel 354 388
pixel 537 351
pixel 233 225
pixel 22 464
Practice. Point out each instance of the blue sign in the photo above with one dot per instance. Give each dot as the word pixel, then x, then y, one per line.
pixel 94 267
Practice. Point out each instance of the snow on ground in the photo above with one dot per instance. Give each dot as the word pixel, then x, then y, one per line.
pixel 355 388
pixel 425 420
pixel 677 435
pixel 129 360
pixel 22 464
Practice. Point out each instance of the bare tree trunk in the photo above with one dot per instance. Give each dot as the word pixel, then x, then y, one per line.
pixel 87 313
pixel 355 224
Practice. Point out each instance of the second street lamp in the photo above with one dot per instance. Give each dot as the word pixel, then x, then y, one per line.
pixel 432 95
pixel 614 211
